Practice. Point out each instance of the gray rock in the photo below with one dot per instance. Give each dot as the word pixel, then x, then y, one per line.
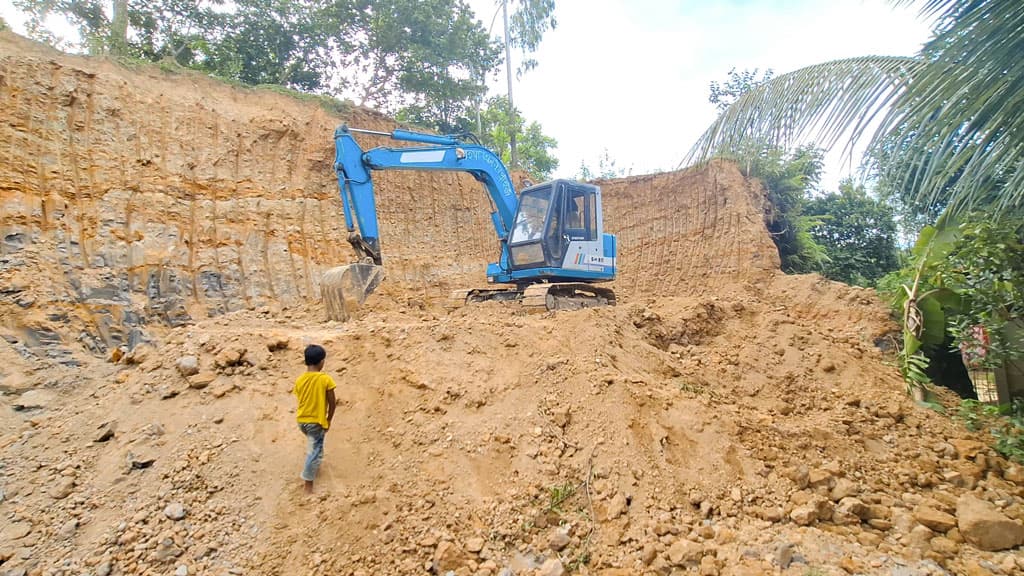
pixel 33 400
pixel 181 571
pixel 175 511
pixel 551 567
pixel 104 569
pixel 14 531
pixel 188 365
pixel 784 555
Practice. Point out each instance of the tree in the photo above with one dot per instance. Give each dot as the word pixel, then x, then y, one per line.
pixel 160 28
pixel 530 20
pixel 429 57
pixel 858 233
pixel 535 148
pixel 286 42
pixel 789 178
pixel 739 83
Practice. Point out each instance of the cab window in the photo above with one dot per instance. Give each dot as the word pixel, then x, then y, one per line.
pixel 581 214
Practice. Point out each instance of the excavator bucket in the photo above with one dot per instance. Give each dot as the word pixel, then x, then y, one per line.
pixel 345 288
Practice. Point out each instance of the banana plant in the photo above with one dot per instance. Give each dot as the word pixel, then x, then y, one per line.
pixel 924 312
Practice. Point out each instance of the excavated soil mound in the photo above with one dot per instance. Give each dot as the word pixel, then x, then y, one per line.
pixel 162 239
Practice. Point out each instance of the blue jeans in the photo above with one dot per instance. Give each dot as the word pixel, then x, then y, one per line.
pixel 314 451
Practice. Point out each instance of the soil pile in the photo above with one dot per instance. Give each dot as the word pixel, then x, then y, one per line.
pixel 724 419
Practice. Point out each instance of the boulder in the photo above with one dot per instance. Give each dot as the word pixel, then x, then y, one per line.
pixel 967 448
pixel 685 552
pixel 804 515
pixel 985 527
pixel 934 519
pixel 844 488
pixel 558 539
pixel 448 556
pixel 1014 473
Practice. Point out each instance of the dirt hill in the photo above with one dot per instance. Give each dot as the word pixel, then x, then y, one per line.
pixel 163 235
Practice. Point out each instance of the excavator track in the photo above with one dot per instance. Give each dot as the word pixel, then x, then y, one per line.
pixel 569 296
pixel 459 298
pixel 539 297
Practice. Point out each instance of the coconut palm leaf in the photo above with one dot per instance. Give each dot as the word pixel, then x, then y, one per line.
pixel 954 114
pixel 823 102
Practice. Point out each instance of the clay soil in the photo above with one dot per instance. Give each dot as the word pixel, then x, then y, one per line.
pixel 162 240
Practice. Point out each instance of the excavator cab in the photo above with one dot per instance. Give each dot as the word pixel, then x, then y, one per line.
pixel 558 226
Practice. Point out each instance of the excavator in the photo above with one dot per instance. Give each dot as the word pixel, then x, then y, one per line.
pixel 553 247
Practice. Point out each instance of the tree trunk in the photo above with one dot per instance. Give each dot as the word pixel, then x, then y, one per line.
pixel 119 29
pixel 508 72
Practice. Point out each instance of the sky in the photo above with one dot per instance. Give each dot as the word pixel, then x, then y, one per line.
pixel 630 77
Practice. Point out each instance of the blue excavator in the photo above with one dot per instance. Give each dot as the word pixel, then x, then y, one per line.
pixel 553 247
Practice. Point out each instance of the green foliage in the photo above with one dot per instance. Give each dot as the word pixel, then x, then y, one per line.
pixel 530 19
pixel 428 56
pixel 722 95
pixel 286 42
pixel 493 126
pixel 857 232
pixel 985 268
pixel 533 146
pixel 1004 421
pixel 558 494
pixel 789 178
pixel 606 169
pixel 961 276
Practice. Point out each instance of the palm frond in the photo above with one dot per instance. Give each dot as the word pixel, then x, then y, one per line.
pixel 963 116
pixel 951 119
pixel 822 102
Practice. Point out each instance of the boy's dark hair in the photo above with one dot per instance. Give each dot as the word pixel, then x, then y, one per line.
pixel 315 354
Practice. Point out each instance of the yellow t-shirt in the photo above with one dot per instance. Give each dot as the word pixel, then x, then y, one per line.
pixel 311 390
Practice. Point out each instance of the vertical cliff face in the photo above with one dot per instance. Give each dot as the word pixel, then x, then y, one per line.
pixel 138 196
pixel 688 232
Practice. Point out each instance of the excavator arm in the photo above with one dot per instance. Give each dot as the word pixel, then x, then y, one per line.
pixel 355 184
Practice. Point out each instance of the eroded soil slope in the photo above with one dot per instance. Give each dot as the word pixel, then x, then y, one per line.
pixel 724 419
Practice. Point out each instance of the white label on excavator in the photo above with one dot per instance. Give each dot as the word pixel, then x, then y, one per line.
pixel 421 156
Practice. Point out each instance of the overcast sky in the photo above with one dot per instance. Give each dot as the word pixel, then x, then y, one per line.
pixel 631 76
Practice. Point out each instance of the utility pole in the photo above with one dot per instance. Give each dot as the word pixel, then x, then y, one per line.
pixel 508 71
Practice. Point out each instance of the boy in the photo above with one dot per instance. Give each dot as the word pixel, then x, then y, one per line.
pixel 315 393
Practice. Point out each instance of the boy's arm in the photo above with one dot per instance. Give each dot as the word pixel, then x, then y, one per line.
pixel 331 404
